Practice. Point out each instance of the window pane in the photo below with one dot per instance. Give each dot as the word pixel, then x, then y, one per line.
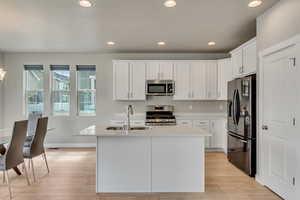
pixel 34 88
pixel 87 101
pixel 60 92
pixel 86 80
pixel 35 80
pixel 34 101
pixel 61 102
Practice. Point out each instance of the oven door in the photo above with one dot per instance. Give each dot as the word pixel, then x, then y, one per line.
pixel 156 89
pixel 241 153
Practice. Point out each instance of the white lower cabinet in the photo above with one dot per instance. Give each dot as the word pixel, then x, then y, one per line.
pixel 217 127
pixel 203 125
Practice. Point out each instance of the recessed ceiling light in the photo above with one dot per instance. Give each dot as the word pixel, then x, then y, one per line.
pixel 170 3
pixel 85 3
pixel 211 43
pixel 255 3
pixel 161 43
pixel 110 43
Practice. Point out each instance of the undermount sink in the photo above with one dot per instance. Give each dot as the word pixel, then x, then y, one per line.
pixel 119 128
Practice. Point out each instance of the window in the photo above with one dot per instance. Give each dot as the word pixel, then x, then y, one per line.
pixel 34 88
pixel 60 89
pixel 86 85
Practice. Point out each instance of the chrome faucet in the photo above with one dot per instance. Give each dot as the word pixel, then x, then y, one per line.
pixel 129 112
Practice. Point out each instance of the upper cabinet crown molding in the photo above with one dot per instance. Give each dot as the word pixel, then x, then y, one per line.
pixel 244 59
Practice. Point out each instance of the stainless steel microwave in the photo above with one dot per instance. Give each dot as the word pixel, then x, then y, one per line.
pixel 160 88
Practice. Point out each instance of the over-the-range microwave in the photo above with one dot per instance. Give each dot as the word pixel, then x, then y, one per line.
pixel 160 88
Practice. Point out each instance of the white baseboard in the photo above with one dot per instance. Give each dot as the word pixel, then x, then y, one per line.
pixel 70 145
pixel 259 180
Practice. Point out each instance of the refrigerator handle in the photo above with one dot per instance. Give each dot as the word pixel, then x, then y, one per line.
pixel 233 107
pixel 237 107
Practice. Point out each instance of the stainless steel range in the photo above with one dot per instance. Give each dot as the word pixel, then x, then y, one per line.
pixel 160 115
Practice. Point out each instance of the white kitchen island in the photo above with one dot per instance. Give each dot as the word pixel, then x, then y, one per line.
pixel 160 159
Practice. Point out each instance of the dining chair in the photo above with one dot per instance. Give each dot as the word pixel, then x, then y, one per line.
pixel 36 146
pixel 32 124
pixel 14 154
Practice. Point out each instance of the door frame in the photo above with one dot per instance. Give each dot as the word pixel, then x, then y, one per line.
pixel 261 170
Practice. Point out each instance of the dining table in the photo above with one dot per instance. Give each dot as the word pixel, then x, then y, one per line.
pixel 5 136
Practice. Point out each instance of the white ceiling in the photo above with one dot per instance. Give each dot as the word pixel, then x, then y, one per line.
pixel 135 25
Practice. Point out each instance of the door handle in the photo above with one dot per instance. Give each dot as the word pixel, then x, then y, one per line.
pixel 265 127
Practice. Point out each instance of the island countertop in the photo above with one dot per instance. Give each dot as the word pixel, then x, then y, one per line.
pixel 155 131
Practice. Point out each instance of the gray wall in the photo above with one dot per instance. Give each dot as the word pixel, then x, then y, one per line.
pixel 279 23
pixel 68 126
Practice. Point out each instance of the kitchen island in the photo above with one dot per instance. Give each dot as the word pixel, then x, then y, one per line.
pixel 158 159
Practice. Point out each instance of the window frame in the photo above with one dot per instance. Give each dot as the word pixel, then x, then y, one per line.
pixel 38 67
pixel 51 89
pixel 94 91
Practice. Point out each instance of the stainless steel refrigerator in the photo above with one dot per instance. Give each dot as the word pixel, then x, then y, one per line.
pixel 242 124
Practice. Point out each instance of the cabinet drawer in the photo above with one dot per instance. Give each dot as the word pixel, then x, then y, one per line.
pixel 203 124
pixel 185 122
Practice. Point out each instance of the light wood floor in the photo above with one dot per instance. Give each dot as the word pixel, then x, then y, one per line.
pixel 72 177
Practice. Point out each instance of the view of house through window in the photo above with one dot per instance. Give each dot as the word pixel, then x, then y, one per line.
pixel 60 91
pixel 34 88
pixel 86 85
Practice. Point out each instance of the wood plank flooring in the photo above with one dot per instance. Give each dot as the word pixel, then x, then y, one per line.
pixel 72 177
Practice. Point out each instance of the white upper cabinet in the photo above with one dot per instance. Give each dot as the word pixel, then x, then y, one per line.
pixel 249 58
pixel 121 80
pixel 152 70
pixel 182 81
pixel 211 69
pixel 129 80
pixel 198 81
pixel 244 59
pixel 137 81
pixel 237 63
pixel 224 76
pixel 166 71
pixel 159 70
pixel 195 80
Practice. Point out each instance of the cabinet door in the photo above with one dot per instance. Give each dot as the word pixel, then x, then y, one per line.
pixel 224 76
pixel 249 58
pixel 211 70
pixel 219 138
pixel 166 71
pixel 182 81
pixel 121 81
pixel 237 63
pixel 203 125
pixel 152 70
pixel 137 81
pixel 198 83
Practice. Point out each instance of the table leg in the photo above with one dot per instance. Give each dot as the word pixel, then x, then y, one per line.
pixel 2 152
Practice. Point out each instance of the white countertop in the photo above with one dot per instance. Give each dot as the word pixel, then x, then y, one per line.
pixel 157 131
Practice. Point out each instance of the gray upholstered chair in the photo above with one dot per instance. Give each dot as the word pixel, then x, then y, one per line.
pixel 14 154
pixel 32 123
pixel 36 146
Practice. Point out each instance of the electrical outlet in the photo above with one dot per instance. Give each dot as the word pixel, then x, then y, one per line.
pixel 191 107
pixel 221 107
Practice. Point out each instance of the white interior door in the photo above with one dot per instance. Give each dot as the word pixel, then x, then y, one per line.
pixel 166 71
pixel 198 83
pixel 279 101
pixel 138 81
pixel 121 81
pixel 182 81
pixel 152 70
